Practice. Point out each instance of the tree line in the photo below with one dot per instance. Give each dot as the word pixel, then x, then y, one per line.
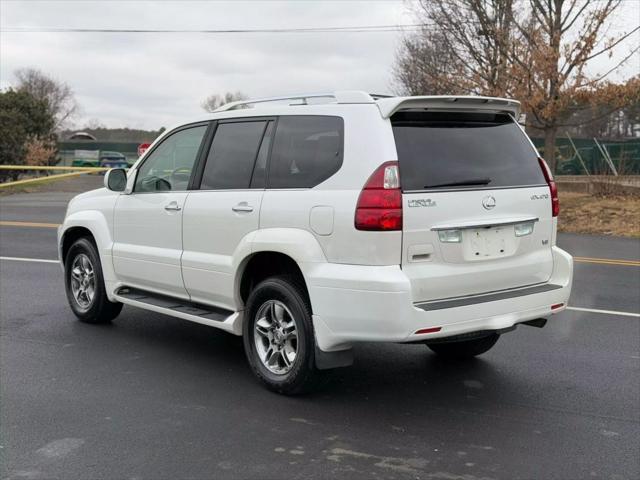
pixel 540 52
pixel 31 113
pixel 36 112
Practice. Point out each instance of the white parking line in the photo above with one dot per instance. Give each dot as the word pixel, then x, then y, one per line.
pixel 36 260
pixel 577 309
pixel 607 312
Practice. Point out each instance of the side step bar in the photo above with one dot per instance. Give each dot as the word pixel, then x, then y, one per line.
pixel 177 307
pixel 213 317
pixel 486 297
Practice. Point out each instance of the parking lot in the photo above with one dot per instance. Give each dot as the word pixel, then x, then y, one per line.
pixel 154 397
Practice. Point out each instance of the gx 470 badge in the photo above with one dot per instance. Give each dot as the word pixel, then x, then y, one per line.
pixel 422 202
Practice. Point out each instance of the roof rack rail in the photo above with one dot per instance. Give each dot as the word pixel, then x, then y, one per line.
pixel 340 97
pixel 377 96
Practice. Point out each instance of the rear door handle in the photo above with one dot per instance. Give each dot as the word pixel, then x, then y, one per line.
pixel 242 207
pixel 172 207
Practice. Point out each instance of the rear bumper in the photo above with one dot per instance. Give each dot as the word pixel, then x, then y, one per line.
pixel 353 303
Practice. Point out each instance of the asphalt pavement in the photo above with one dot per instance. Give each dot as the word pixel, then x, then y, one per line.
pixel 154 397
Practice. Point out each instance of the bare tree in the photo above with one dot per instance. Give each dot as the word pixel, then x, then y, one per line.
pixel 537 51
pixel 94 124
pixel 557 42
pixel 423 65
pixel 463 48
pixel 58 96
pixel 215 101
pixel 593 116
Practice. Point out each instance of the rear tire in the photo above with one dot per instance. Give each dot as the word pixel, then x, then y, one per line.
pixel 278 336
pixel 464 349
pixel 84 284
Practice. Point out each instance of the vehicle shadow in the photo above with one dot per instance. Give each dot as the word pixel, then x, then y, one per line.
pixel 383 374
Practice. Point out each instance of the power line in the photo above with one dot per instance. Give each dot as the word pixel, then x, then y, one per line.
pixel 346 29
pixel 210 1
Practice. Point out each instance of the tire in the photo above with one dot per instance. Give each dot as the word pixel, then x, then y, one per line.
pixel 464 349
pixel 88 307
pixel 277 302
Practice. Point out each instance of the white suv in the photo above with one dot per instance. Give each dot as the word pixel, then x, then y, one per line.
pixel 307 224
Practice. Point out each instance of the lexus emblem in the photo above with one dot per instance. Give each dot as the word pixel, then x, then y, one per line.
pixel 488 202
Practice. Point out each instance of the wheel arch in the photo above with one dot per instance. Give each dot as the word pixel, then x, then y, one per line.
pixel 274 251
pixel 94 225
pixel 69 237
pixel 264 264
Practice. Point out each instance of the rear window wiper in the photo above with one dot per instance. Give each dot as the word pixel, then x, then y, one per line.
pixel 462 183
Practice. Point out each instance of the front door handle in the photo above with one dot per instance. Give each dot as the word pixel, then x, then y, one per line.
pixel 242 207
pixel 172 207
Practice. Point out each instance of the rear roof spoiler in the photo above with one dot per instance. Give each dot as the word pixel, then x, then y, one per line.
pixel 389 106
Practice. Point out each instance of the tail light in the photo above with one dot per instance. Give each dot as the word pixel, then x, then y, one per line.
pixel 379 205
pixel 548 176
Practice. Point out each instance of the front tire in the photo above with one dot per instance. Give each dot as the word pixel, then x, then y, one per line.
pixel 464 349
pixel 84 284
pixel 278 336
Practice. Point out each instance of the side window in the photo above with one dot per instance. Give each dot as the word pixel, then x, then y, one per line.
pixel 306 151
pixel 169 165
pixel 232 155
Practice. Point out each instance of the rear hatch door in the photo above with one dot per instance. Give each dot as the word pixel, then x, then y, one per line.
pixel 476 206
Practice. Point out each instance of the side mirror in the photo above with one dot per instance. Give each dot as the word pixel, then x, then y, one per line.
pixel 116 180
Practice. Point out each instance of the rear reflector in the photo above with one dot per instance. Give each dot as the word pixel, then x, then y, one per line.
pixel 557 306
pixel 428 330
pixel 379 205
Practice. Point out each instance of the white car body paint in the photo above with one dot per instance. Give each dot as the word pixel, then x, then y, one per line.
pixel 363 285
pixel 215 239
pixel 147 241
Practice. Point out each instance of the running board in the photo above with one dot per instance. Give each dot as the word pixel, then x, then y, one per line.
pixel 177 307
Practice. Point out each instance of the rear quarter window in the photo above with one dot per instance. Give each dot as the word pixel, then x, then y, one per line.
pixel 307 149
pixel 463 150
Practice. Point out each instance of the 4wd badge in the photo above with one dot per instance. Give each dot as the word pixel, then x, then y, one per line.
pixel 422 202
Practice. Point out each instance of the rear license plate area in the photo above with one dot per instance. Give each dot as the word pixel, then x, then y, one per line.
pixel 488 243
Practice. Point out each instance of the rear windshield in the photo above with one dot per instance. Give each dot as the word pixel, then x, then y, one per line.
pixel 439 150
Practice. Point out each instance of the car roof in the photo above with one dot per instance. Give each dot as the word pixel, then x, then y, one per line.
pixel 387 105
pixel 336 103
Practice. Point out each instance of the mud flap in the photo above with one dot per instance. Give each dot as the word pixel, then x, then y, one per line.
pixel 329 360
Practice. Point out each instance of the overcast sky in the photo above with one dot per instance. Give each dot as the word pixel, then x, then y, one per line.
pixel 153 80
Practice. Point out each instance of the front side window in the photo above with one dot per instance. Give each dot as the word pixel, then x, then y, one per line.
pixel 307 150
pixel 169 166
pixel 232 155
